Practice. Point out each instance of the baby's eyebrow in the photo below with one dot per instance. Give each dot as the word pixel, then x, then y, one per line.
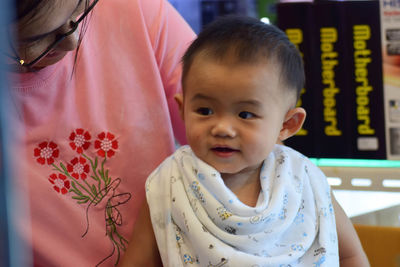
pixel 200 97
pixel 42 35
pixel 250 102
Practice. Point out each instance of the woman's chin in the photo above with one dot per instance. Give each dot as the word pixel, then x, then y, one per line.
pixel 50 59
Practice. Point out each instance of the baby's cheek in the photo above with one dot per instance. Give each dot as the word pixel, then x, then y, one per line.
pixel 196 141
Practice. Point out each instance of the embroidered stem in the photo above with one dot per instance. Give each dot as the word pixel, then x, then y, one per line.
pixel 102 170
pixel 111 227
pixel 94 167
pixel 73 180
pixel 83 187
pixel 96 177
pixel 98 196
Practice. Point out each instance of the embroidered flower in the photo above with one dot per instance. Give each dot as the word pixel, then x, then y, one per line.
pixel 106 144
pixel 97 186
pixel 46 152
pixel 78 168
pixel 60 182
pixel 80 140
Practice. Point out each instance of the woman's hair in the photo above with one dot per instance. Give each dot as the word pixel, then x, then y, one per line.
pixel 250 41
pixel 28 9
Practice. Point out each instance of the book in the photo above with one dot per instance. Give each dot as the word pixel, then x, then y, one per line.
pixel 332 85
pixel 342 60
pixel 367 120
pixel 295 20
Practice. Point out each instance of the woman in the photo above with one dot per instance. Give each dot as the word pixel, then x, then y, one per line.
pixel 92 83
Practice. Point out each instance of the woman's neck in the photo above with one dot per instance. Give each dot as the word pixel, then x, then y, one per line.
pixel 21 69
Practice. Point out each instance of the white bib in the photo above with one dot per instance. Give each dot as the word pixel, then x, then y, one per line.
pixel 198 220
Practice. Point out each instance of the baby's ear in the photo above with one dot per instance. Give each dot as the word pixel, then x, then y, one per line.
pixel 292 123
pixel 179 100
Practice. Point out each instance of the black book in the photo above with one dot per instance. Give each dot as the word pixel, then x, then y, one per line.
pixel 332 83
pixel 295 19
pixel 366 96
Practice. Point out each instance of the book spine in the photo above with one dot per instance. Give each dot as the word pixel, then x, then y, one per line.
pixel 296 20
pixel 332 84
pixel 363 35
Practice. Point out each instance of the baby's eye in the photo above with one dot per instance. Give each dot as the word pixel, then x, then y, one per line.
pixel 246 115
pixel 204 111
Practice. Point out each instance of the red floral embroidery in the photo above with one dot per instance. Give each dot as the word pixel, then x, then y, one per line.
pixel 60 182
pixel 46 152
pixel 97 181
pixel 106 144
pixel 80 140
pixel 78 168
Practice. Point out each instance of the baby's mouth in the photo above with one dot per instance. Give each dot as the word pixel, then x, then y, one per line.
pixel 224 152
pixel 223 149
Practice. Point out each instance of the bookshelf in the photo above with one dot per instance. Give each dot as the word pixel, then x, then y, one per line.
pixel 367 190
pixel 361 175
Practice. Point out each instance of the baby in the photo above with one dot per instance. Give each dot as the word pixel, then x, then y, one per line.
pixel 234 197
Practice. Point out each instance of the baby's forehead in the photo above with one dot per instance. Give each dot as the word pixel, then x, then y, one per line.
pixel 234 55
pixel 205 69
pixel 258 67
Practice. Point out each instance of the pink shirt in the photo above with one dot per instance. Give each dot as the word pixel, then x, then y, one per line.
pixel 91 139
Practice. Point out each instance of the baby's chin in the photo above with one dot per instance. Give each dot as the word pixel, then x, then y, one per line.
pixel 224 170
pixel 246 171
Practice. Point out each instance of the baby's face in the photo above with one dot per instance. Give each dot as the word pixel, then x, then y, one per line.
pixel 233 112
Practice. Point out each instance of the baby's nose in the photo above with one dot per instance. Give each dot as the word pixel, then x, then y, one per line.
pixel 223 128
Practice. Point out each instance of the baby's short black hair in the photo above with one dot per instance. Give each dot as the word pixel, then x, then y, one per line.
pixel 251 41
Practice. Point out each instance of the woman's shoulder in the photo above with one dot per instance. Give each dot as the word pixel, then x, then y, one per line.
pixel 142 19
pixel 138 9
